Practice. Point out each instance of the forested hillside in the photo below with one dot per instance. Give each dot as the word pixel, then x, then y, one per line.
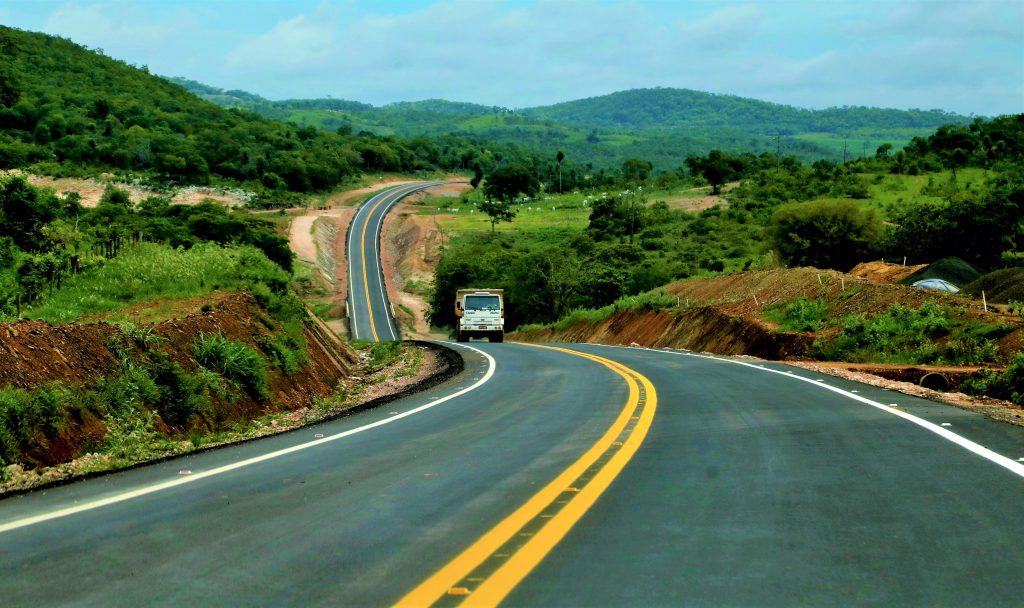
pixel 68 110
pixel 662 108
pixel 662 126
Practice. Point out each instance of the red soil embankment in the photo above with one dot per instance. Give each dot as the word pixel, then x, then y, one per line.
pixel 723 314
pixel 35 353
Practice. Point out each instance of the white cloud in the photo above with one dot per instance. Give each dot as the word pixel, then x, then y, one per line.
pixel 304 43
pixel 108 24
pixel 731 26
pixel 964 56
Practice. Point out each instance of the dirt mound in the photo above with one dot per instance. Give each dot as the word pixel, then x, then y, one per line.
pixel 1000 286
pixel 884 272
pixel 952 270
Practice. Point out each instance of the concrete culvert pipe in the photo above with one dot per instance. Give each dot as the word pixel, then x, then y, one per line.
pixel 935 381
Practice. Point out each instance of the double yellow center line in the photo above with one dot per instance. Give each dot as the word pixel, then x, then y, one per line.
pixel 366 282
pixel 488 570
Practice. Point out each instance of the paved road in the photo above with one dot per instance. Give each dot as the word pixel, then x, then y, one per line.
pixel 751 487
pixel 370 315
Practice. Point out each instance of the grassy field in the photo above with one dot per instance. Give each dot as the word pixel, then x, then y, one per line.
pixel 888 194
pixel 547 213
pixel 157 273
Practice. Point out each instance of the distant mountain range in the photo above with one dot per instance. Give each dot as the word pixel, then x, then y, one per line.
pixel 662 125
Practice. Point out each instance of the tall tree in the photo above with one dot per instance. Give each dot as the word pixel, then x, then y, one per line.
pixel 635 170
pixel 560 157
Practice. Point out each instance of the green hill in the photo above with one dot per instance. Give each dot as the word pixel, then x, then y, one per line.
pixel 660 125
pixel 69 110
pixel 660 108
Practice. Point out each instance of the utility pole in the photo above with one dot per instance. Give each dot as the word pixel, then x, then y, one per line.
pixel 778 145
pixel 844 151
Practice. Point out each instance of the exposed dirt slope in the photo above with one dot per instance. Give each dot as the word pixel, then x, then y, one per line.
pixel 722 314
pixel 411 251
pixel 700 328
pixel 35 353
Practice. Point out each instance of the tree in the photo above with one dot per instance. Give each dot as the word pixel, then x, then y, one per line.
pixel 825 234
pixel 509 181
pixel 635 171
pixel 24 211
pixel 975 228
pixel 497 211
pixel 478 175
pixel 717 168
pixel 559 158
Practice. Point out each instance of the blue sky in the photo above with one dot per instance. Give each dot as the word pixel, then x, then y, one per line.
pixel 965 56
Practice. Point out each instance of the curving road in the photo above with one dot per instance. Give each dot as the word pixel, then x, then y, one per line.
pixel 370 314
pixel 591 476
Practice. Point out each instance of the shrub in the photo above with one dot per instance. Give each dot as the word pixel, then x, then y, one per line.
pixel 182 394
pixel 130 435
pixel 899 335
pixel 235 361
pixel 1008 385
pixel 126 392
pixel 384 353
pixel 826 234
pixel 284 351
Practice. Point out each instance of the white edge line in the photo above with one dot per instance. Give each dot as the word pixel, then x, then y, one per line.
pixel 110 500
pixel 980 450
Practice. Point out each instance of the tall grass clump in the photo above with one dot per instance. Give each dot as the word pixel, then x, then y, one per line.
pixel 27 417
pixel 234 360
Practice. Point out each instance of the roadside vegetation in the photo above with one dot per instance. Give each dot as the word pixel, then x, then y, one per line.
pixel 959 192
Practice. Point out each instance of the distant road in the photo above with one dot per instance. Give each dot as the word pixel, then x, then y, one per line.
pixel 748 485
pixel 370 314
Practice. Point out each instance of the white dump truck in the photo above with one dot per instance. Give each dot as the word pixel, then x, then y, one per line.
pixel 481 314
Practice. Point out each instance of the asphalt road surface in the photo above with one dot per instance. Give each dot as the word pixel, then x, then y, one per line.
pixel 542 477
pixel 370 315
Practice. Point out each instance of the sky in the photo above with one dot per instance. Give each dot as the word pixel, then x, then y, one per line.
pixel 965 56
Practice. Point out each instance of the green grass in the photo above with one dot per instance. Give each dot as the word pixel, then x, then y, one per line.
pixel 888 193
pixel 157 272
pixel 545 213
pixel 644 302
pixel 1008 384
pixel 931 334
pixel 234 360
pixel 800 315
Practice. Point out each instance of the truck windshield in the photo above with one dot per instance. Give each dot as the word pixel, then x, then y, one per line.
pixel 482 303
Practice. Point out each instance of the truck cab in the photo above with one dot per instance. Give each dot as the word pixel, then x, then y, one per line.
pixel 480 314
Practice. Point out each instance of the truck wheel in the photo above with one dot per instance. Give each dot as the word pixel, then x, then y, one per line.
pixel 461 336
pixel 496 337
